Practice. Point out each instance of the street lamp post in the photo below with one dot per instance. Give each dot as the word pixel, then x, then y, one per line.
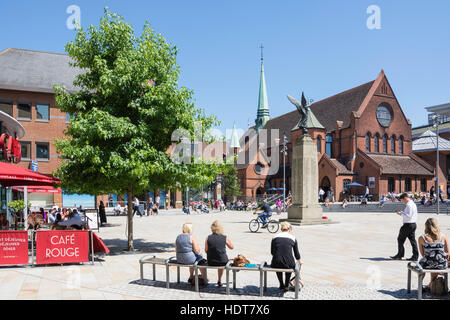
pixel 435 118
pixel 284 152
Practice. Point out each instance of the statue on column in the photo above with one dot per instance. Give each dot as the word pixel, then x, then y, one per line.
pixel 303 109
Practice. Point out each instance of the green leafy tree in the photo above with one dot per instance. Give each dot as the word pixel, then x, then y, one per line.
pixel 231 183
pixel 124 113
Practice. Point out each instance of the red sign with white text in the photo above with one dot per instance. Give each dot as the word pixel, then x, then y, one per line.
pixel 13 247
pixel 62 246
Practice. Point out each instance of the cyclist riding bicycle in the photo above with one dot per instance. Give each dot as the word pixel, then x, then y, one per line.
pixel 266 214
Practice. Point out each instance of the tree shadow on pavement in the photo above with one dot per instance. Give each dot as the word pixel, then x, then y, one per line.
pixel 119 246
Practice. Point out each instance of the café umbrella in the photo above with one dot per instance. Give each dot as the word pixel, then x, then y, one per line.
pixel 15 176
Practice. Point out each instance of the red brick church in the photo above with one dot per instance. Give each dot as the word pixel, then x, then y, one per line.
pixel 362 136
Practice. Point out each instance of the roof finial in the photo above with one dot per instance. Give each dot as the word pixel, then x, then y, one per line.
pixel 262 49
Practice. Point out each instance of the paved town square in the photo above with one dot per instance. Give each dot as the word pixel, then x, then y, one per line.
pixel 348 260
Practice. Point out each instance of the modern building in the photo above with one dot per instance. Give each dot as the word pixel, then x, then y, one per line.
pixel 362 135
pixel 426 142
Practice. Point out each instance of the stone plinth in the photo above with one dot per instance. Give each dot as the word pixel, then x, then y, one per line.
pixel 305 209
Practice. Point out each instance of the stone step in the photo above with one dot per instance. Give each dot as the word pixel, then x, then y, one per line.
pixel 388 207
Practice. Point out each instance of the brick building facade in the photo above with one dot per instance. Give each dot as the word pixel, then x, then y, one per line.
pixel 27 79
pixel 362 135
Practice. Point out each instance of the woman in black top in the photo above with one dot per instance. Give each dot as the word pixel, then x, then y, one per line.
pixel 284 248
pixel 102 213
pixel 215 247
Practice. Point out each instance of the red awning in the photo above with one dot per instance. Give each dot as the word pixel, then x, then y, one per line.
pixel 12 175
pixel 35 189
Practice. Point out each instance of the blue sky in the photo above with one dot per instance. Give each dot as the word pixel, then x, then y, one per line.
pixel 321 47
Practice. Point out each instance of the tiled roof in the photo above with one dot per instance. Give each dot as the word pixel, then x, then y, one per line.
pixel 342 169
pixel 35 71
pixel 340 106
pixel 401 164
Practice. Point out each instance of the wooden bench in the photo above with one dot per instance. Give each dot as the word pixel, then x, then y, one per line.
pixel 421 274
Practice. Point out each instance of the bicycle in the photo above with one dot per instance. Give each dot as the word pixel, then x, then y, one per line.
pixel 272 225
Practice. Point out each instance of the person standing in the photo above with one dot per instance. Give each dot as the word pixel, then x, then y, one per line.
pixel 136 206
pixel 408 230
pixel 432 193
pixel 157 204
pixel 102 213
pixel 321 194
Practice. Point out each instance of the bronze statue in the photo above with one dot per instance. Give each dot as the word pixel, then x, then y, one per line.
pixel 303 109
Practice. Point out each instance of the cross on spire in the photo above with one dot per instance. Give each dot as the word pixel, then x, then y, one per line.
pixel 262 49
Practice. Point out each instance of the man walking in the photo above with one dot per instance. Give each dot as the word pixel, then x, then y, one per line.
pixel 408 230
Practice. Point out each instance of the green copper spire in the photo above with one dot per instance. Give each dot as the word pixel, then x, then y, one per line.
pixel 262 115
pixel 234 143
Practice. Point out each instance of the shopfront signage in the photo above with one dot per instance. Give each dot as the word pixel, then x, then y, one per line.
pixel 13 247
pixel 62 246
pixel 10 148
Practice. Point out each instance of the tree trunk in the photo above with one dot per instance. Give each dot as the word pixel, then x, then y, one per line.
pixel 130 218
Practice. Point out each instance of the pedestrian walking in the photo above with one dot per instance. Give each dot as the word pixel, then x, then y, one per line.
pixel 102 213
pixel 408 230
pixel 136 207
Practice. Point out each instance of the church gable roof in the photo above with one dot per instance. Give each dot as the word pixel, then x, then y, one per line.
pixel 340 106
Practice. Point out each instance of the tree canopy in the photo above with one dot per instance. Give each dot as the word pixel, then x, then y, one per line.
pixel 123 115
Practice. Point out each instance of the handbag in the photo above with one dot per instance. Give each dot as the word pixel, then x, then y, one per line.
pixel 437 287
pixel 240 261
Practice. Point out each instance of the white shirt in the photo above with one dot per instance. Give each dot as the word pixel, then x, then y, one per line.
pixel 410 213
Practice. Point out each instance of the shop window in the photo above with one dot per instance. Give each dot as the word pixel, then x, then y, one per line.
pixel 408 184
pixel 346 183
pixel 6 107
pixel 42 112
pixel 42 151
pixel 391 184
pixel 24 111
pixel 25 147
pixel 423 185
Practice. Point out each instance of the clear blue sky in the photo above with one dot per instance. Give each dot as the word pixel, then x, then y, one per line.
pixel 321 47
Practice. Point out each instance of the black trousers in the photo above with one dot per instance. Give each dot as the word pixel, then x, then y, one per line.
pixel 408 230
pixel 286 279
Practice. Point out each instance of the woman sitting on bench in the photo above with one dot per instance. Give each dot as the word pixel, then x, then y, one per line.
pixel 434 248
pixel 188 252
pixel 284 249
pixel 215 247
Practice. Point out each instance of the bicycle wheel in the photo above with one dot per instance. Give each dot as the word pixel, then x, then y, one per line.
pixel 254 225
pixel 273 226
